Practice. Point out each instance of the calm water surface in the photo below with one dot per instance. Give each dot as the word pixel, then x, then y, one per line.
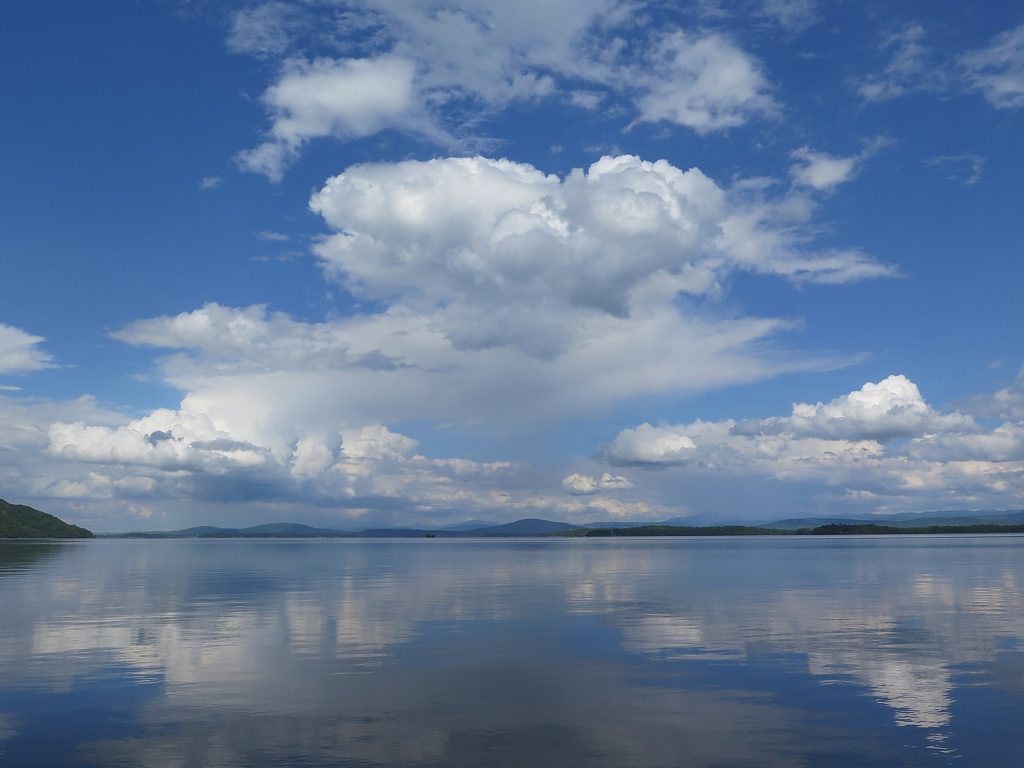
pixel 903 651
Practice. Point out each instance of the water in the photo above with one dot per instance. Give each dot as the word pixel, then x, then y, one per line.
pixel 876 651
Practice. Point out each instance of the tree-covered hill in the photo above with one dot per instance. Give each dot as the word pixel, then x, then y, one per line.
pixel 18 521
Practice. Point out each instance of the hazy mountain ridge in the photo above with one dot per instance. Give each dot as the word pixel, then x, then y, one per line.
pixel 524 527
pixel 541 527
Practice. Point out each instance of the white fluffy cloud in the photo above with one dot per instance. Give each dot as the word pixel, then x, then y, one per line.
pixel 997 70
pixel 429 67
pixel 705 83
pixel 21 351
pixel 164 439
pixel 879 447
pixel 857 423
pixel 617 235
pixel 650 445
pixel 345 99
pixel 881 411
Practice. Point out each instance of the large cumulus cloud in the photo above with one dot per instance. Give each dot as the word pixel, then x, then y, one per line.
pixel 495 297
pixel 504 294
pixel 619 237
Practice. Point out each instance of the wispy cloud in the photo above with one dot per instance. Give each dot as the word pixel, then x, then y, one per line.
pixel 274 237
pixel 911 66
pixel 997 70
pixel 824 172
pixel 967 168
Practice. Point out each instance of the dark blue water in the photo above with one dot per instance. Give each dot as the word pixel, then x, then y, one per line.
pixel 903 651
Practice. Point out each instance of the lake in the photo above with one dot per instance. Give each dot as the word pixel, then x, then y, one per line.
pixel 796 651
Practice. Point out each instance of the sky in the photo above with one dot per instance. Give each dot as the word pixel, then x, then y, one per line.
pixel 411 263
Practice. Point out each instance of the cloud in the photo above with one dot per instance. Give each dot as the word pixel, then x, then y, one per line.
pixel 363 470
pixel 997 70
pixel 165 439
pixel 821 171
pixel 210 182
pixel 21 352
pixel 274 237
pixel 473 228
pixel 965 168
pixel 28 472
pixel 1004 443
pixel 880 411
pixel 705 83
pixel 188 453
pixel 434 71
pixel 792 16
pixel 583 485
pixel 861 420
pixel 492 297
pixel 649 445
pixel 879 448
pixel 345 99
pixel 494 282
pixel 824 172
pixel 589 100
pixel 263 30
pixel 912 66
pixel 1006 404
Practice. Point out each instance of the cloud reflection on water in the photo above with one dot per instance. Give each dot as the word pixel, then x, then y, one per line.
pixel 383 653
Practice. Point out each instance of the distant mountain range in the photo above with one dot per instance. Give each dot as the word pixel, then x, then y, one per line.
pixel 20 521
pixel 539 527
pixel 525 527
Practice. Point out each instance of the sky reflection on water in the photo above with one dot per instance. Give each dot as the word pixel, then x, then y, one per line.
pixel 850 651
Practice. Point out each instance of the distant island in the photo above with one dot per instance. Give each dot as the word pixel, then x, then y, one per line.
pixel 18 521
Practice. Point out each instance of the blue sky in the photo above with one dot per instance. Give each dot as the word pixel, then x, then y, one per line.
pixel 417 262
